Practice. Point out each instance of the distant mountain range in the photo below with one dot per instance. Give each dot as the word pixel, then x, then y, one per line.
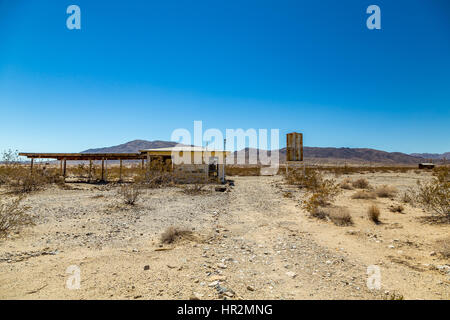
pixel 133 146
pixel 434 156
pixel 310 153
pixel 352 155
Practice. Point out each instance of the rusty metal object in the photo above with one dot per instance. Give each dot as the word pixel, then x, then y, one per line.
pixel 294 146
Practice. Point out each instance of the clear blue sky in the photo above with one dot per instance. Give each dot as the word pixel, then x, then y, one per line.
pixel 140 69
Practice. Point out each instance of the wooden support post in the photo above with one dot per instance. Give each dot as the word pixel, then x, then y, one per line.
pixel 106 170
pixel 103 169
pixel 221 172
pixel 31 165
pixel 90 170
pixel 142 165
pixel 65 168
pixel 61 167
pixel 147 172
pixel 120 171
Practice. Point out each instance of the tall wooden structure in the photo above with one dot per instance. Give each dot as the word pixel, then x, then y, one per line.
pixel 294 146
pixel 294 150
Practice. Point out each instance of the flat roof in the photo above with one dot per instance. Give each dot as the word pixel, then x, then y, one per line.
pixel 169 151
pixel 83 156
pixel 173 149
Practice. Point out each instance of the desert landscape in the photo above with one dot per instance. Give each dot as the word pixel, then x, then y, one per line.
pixel 311 233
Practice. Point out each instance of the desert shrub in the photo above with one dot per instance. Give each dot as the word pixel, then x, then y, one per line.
pixel 312 204
pixel 13 217
pixel 19 179
pixel 10 157
pixel 385 191
pixel 346 169
pixel 155 179
pixel 82 170
pixel 307 178
pixel 346 184
pixel 288 194
pixel 360 184
pixel 443 247
pixel 407 197
pixel 397 208
pixel 319 213
pixel 434 195
pixel 25 182
pixel 340 216
pixel 363 194
pixel 171 234
pixel 130 193
pixel 194 189
pixel 322 195
pixel 442 173
pixel 373 213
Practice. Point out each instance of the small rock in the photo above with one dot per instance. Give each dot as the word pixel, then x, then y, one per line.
pixel 250 288
pixel 291 274
pixel 147 267
pixel 196 296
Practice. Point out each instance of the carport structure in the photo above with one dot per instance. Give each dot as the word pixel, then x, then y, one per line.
pixel 103 157
pixel 200 162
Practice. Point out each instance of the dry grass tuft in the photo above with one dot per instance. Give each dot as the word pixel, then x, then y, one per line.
pixel 361 184
pixel 373 213
pixel 172 234
pixel 443 247
pixel 130 194
pixel 346 184
pixel 194 189
pixel 362 194
pixel 13 217
pixel 319 213
pixel 288 194
pixel 385 191
pixel 340 216
pixel 407 197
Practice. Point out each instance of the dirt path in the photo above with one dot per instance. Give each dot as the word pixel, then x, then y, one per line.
pixel 276 256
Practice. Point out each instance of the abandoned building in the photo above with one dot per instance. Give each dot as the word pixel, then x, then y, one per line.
pixel 426 165
pixel 186 161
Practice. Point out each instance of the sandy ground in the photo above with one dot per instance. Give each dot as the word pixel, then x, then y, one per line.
pixel 250 242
